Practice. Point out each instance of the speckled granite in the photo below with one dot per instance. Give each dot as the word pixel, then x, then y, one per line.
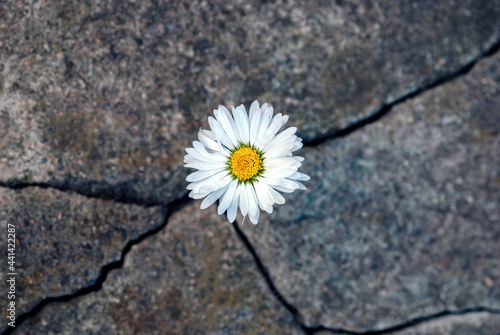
pixel 477 324
pixel 470 324
pixel 112 91
pixel 195 277
pixel 63 240
pixel 400 218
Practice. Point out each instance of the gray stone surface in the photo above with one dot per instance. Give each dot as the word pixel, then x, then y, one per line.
pixel 477 324
pixel 112 92
pixel 63 240
pixel 195 277
pixel 400 218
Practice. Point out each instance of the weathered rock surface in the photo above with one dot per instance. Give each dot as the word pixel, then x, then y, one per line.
pixel 477 324
pixel 195 277
pixel 63 240
pixel 109 93
pixel 401 217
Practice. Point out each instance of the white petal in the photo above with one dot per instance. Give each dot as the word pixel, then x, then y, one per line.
pixel 233 208
pixel 301 186
pixel 253 204
pixel 282 142
pixel 282 162
pixel 202 174
pixel 219 132
pixel 265 200
pixel 299 176
pixel 284 120
pixel 212 197
pixel 242 124
pixel 286 187
pixel 283 189
pixel 197 195
pixel 253 108
pixel 271 131
pixel 283 184
pixel 287 132
pixel 206 166
pixel 195 154
pixel 203 151
pixel 227 198
pixel 297 145
pixel 254 219
pixel 219 180
pixel 279 172
pixel 287 135
pixel 284 150
pixel 207 141
pixel 263 127
pixel 266 193
pixel 254 125
pixel 243 200
pixel 277 198
pixel 210 135
pixel 227 122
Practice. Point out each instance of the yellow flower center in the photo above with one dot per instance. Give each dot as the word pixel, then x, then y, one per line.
pixel 245 163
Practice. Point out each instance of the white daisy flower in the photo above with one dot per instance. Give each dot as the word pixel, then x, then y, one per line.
pixel 243 161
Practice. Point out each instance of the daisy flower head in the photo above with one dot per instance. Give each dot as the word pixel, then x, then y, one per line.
pixel 244 162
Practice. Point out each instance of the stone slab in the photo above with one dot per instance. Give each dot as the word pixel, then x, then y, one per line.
pixel 400 218
pixel 194 277
pixel 111 92
pixel 63 240
pixel 475 323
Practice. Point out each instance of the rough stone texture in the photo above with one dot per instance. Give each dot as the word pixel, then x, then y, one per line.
pixel 477 324
pixel 400 218
pixel 195 277
pixel 63 239
pixel 110 93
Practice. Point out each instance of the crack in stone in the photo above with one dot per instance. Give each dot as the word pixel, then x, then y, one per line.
pixel 407 324
pixel 121 193
pixel 173 207
pixel 267 278
pixel 387 107
pixel 312 330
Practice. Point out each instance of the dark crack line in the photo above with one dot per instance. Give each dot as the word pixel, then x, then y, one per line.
pixel 387 107
pixel 408 324
pixel 119 193
pixel 169 210
pixel 267 278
